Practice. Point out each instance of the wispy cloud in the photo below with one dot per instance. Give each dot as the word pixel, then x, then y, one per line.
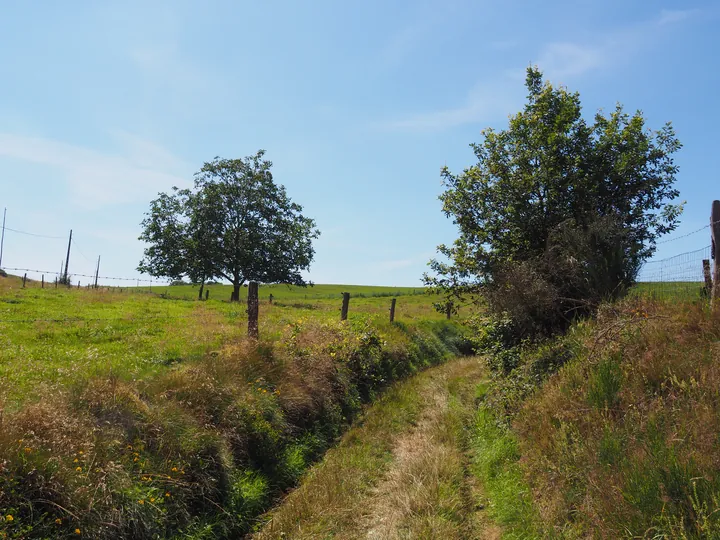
pixel 494 97
pixel 139 170
pixel 669 16
pixel 488 101
pixel 402 44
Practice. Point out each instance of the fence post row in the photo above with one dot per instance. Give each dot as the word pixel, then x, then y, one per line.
pixel 252 310
pixel 715 231
pixel 345 306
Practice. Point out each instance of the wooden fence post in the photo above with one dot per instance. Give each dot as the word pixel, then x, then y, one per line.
pixel 252 309
pixel 345 306
pixel 24 280
pixel 56 282
pixel 392 309
pixel 207 294
pixel 715 228
pixel 42 281
pixel 708 278
pixel 78 284
pixel 271 298
pixel 448 309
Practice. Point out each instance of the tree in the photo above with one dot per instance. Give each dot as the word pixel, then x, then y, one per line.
pixel 557 213
pixel 236 224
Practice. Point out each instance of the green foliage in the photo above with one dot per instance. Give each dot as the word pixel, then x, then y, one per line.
pixel 236 224
pixel 558 214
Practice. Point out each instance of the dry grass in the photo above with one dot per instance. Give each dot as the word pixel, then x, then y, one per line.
pixel 402 473
pixel 624 440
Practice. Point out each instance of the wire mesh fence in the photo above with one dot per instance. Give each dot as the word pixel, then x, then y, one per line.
pixel 680 277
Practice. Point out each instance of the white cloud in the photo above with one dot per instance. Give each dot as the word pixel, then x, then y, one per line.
pixel 570 59
pixel 497 96
pixel 488 101
pixel 100 179
pixel 669 16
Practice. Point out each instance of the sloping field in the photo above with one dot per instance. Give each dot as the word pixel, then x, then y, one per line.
pixel 55 336
pixel 133 415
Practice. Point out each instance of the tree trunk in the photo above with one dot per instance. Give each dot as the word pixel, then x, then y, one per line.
pixel 235 296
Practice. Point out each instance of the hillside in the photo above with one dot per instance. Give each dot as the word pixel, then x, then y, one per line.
pixel 621 441
pixel 135 415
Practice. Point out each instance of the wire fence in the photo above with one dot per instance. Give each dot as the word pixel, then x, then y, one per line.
pixel 37 275
pixel 679 277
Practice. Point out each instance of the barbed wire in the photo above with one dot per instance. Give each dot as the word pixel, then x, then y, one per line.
pixel 51 272
pixel 685 235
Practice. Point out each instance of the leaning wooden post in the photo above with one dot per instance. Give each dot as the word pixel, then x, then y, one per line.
pixel 715 228
pixel 24 279
pixel 707 291
pixel 345 306
pixel 252 309
pixel 392 309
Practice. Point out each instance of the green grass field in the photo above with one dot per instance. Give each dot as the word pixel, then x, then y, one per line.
pixel 150 414
pixel 56 336
pixel 670 290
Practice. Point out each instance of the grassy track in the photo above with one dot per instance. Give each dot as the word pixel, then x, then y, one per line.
pixel 401 472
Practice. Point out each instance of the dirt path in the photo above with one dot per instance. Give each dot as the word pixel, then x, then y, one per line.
pixel 402 473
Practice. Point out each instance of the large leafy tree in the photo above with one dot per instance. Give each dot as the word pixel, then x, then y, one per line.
pixel 235 224
pixel 557 213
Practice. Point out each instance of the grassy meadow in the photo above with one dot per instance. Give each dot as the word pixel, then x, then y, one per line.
pixel 149 414
pixel 55 336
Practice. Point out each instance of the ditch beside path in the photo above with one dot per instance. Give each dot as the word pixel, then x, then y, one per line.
pixel 401 472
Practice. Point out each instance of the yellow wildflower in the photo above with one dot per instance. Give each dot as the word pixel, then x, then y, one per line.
pixel 152 499
pixel 77 531
pixel 75 460
pixel 78 469
pixel 141 501
pixel 9 517
pixel 174 469
pixel 167 494
pixel 58 521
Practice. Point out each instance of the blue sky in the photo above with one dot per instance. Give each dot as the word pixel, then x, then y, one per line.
pixel 358 104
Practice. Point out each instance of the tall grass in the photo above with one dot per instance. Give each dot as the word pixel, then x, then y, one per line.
pixel 199 445
pixel 623 441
